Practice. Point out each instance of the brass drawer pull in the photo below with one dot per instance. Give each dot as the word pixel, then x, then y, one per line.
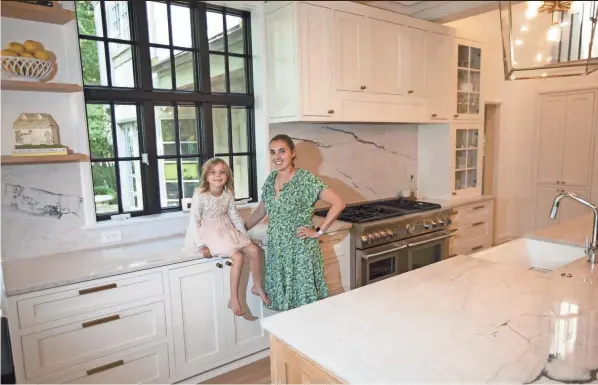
pixel 478 207
pixel 477 224
pixel 103 368
pixel 477 248
pixel 97 288
pixel 99 321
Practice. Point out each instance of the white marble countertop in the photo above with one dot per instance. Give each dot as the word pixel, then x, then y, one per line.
pixel 464 319
pixel 45 272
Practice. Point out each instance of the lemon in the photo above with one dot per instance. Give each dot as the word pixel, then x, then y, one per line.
pixel 44 55
pixel 27 54
pixel 31 46
pixel 18 48
pixel 9 52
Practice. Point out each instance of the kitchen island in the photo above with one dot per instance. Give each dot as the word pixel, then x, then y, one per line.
pixel 465 319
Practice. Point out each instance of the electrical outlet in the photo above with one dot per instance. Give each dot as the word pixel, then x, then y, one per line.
pixel 111 236
pixel 186 204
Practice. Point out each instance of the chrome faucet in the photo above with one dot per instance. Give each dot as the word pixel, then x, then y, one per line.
pixel 591 248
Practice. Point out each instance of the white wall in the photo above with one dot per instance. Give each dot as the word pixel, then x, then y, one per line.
pixel 517 164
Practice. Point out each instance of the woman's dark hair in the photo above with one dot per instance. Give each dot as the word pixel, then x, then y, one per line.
pixel 285 138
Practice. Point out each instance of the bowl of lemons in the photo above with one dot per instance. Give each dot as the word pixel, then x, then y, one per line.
pixel 28 61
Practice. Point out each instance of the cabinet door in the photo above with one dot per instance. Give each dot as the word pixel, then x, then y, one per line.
pixel 438 55
pixel 349 51
pixel 245 334
pixel 469 105
pixel 384 40
pixel 577 143
pixel 550 148
pixel 544 198
pixel 198 317
pixel 316 60
pixel 467 158
pixel 414 60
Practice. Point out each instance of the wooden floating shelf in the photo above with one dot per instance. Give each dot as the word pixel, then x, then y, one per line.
pixel 17 160
pixel 32 12
pixel 17 85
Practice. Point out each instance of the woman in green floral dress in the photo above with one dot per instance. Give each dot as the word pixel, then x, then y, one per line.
pixel 294 264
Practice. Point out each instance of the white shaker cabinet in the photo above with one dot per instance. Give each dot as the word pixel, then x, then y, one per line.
pixel 385 40
pixel 349 51
pixel 414 59
pixel 439 56
pixel 299 60
pixel 206 332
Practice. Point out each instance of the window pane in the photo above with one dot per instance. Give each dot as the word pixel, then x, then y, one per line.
pixel 188 131
pixel 220 126
pixel 191 172
pixel 180 19
pixel 93 61
pixel 183 61
pixel 157 22
pixel 117 20
pixel 217 73
pixel 127 132
pixel 215 22
pixel 99 127
pixel 189 189
pixel 165 134
pixel 239 126
pixel 104 187
pixel 121 65
pixel 161 72
pixel 235 34
pixel 236 70
pixel 169 182
pixel 89 18
pixel 131 187
pixel 241 175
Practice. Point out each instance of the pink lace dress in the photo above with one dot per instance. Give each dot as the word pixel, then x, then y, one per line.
pixel 215 222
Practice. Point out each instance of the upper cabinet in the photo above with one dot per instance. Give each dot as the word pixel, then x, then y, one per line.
pixel 469 81
pixel 346 62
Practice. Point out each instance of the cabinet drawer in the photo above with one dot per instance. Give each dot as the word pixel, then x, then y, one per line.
pixel 79 299
pixel 473 213
pixel 332 276
pixel 77 342
pixel 149 366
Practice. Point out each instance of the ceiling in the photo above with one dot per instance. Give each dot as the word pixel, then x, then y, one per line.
pixel 437 11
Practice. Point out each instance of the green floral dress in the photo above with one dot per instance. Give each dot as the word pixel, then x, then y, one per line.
pixel 294 266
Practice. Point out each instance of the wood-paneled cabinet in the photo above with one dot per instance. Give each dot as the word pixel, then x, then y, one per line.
pixel 567 124
pixel 343 61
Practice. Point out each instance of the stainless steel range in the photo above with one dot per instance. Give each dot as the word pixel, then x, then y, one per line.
pixel 394 236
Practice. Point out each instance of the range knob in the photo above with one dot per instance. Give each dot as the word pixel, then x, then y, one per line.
pixel 383 234
pixel 389 233
pixel 441 222
pixel 427 226
pixel 410 228
pixel 371 237
pixel 377 235
pixel 433 224
pixel 364 239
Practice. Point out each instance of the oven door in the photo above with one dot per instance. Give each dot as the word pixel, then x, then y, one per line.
pixel 381 262
pixel 427 249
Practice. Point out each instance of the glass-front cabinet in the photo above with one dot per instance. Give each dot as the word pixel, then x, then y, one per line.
pixel 469 81
pixel 467 160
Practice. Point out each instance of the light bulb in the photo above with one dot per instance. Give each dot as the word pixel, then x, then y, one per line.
pixel 524 28
pixel 554 33
pixel 539 57
pixel 531 13
pixel 518 42
pixel 544 74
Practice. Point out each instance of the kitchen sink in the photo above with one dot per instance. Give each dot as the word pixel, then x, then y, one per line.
pixel 532 253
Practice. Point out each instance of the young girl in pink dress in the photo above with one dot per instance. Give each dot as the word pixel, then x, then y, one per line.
pixel 217 230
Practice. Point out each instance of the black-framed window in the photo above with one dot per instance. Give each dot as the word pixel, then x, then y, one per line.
pixel 167 86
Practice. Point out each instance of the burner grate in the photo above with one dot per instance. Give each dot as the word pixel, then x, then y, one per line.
pixel 373 211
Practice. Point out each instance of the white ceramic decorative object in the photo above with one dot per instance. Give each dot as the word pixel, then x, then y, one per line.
pixel 26 69
pixel 36 129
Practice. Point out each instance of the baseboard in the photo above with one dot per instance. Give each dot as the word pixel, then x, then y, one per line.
pixel 226 368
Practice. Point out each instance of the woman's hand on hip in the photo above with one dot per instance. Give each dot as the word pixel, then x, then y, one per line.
pixel 307 232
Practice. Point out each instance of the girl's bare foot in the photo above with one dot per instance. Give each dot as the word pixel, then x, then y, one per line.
pixel 235 306
pixel 262 294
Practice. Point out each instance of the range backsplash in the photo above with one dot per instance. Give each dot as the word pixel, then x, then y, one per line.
pixel 359 161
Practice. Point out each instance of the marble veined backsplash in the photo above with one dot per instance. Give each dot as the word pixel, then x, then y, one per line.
pixel 359 161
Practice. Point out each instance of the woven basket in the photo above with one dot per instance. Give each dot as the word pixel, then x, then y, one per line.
pixel 27 69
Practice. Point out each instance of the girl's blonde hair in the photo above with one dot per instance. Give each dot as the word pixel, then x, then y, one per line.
pixel 204 185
